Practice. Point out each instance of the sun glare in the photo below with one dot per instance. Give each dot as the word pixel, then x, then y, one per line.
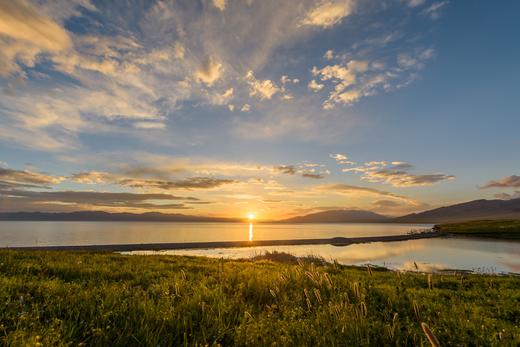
pixel 251 216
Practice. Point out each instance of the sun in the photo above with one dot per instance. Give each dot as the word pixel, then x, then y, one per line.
pixel 251 216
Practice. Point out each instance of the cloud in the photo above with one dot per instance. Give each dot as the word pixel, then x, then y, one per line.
pixel 351 189
pixel 512 181
pixel 18 178
pixel 433 11
pixel 386 204
pixel 286 169
pixel 149 125
pixel 245 108
pixel 507 196
pixel 404 179
pixel 25 33
pixel 88 199
pixel 95 177
pixel 415 3
pixel 263 89
pixel 328 13
pixel 358 78
pixel 220 4
pixel 209 71
pixel 141 72
pixel 341 158
pixel 396 173
pixel 415 60
pixel 329 55
pixel 315 86
pixel 344 76
pixel 224 98
pixel 304 170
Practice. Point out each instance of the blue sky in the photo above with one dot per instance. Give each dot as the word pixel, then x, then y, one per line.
pixel 229 107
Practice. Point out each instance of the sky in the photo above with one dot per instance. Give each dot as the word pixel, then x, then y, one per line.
pixel 276 108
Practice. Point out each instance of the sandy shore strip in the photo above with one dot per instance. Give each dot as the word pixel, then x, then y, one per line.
pixel 336 241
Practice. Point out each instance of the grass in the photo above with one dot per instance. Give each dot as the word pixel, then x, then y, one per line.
pixel 105 299
pixel 503 229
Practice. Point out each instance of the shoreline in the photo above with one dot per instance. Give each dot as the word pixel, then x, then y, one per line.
pixel 335 241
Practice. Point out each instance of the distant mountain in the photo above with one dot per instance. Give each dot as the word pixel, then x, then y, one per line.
pixel 106 216
pixel 472 210
pixel 339 216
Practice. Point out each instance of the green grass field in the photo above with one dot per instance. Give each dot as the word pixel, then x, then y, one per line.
pixel 104 299
pixel 504 229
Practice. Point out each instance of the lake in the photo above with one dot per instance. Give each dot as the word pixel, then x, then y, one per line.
pixel 481 255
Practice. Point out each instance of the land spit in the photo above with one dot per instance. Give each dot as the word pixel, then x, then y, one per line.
pixel 335 241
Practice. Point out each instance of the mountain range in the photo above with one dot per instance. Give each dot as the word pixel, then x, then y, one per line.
pixel 339 216
pixel 472 210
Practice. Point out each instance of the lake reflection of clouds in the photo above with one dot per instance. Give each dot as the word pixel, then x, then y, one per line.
pixel 429 255
pixel 366 252
pixel 422 267
pixel 515 267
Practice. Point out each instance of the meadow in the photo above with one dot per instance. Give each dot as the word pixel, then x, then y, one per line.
pixel 501 229
pixel 106 299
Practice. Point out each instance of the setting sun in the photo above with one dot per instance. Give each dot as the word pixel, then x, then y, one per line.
pixel 251 216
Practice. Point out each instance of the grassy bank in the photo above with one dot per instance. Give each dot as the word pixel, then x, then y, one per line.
pixel 503 229
pixel 67 298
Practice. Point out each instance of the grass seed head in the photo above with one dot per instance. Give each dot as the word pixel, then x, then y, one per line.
pixel 307 299
pixel 330 284
pixel 317 294
pixel 416 309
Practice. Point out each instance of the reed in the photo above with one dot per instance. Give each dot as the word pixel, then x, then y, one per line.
pixel 429 335
pixel 317 294
pixel 307 299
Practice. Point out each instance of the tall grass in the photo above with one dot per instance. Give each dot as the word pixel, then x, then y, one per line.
pixel 102 299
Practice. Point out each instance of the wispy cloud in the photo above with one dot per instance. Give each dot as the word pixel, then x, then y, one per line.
pixel 209 71
pixel 304 170
pixel 507 196
pixel 187 183
pixel 353 190
pixel 512 181
pixel 140 67
pixel 64 200
pixel 434 10
pixel 17 178
pixel 396 173
pixel 263 89
pixel 26 34
pixel 354 78
pixel 329 13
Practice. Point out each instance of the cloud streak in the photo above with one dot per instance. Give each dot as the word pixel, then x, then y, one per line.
pixel 352 190
pixel 95 177
pixel 303 170
pixel 396 174
pixel 512 181
pixel 27 178
pixel 329 13
pixel 83 199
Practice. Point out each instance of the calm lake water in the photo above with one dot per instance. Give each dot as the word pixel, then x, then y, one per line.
pixel 482 255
